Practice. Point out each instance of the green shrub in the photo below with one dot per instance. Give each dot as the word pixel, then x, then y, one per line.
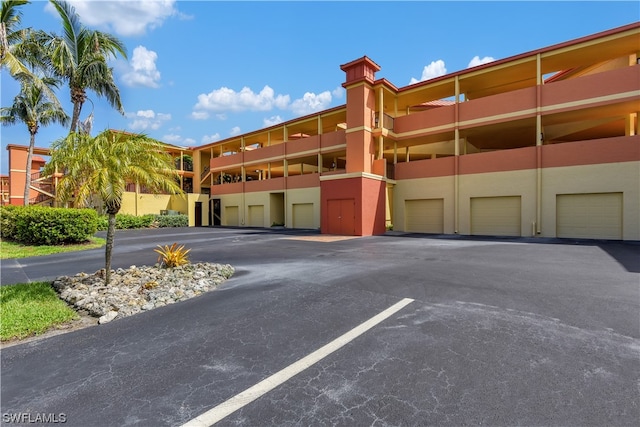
pixel 126 221
pixel 7 220
pixel 164 221
pixel 37 225
pixel 103 223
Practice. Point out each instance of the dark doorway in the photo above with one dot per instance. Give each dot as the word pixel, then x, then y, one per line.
pixel 198 214
pixel 215 212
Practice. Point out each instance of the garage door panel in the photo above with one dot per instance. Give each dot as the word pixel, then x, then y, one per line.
pixel 589 216
pixel 496 216
pixel 256 215
pixel 424 216
pixel 231 215
pixel 303 215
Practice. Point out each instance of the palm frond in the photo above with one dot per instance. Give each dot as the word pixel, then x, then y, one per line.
pixel 71 26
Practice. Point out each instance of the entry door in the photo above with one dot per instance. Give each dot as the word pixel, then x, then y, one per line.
pixel 198 214
pixel 341 217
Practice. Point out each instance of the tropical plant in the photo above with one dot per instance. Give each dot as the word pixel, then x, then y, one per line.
pixel 102 166
pixel 80 57
pixel 34 109
pixel 172 256
pixel 185 162
pixel 10 19
pixel 21 50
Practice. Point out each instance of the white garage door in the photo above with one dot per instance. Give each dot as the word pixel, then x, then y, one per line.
pixel 256 216
pixel 424 216
pixel 231 215
pixel 495 216
pixel 303 215
pixel 589 216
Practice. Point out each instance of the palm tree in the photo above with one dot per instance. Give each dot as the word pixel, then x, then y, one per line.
pixel 103 165
pixel 20 50
pixel 34 109
pixel 10 18
pixel 80 57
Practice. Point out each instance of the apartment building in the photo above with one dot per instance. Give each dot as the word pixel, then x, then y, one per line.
pixel 544 143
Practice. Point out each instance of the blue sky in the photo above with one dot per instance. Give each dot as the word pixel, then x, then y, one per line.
pixel 201 71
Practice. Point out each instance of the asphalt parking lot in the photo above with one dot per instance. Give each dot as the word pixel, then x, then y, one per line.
pixel 314 330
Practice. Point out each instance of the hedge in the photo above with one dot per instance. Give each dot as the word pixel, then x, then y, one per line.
pixel 127 221
pixel 172 221
pixel 35 225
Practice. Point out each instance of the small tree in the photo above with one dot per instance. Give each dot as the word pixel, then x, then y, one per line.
pixel 103 165
pixel 32 108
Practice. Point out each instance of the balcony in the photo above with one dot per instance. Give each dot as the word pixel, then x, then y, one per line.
pixel 264 153
pixel 433 121
pixel 303 181
pixel 498 108
pixel 311 143
pixel 606 87
pixel 387 121
pixel 332 140
pixel 220 163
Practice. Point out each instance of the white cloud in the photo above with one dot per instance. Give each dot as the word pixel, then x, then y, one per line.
pixel 147 119
pixel 142 71
pixel 273 120
pixel 177 139
pixel 235 131
pixel 172 138
pixel 477 61
pixel 435 69
pixel 310 103
pixel 225 99
pixel 210 138
pixel 123 17
pixel 147 114
pixel 199 115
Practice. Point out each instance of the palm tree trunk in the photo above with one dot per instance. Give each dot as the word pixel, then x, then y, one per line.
pixel 77 107
pixel 27 180
pixel 111 231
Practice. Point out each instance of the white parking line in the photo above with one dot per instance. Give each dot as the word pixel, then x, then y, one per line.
pixel 226 408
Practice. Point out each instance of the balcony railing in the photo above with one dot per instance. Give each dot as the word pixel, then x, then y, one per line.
pixel 387 121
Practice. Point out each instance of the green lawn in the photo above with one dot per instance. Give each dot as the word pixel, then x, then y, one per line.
pixel 28 309
pixel 9 249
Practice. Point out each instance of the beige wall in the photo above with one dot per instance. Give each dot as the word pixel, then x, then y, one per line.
pixel 304 195
pixel 602 178
pixel 142 204
pixel 187 205
pixel 424 188
pixel 516 183
pixel 231 200
pixel 257 199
